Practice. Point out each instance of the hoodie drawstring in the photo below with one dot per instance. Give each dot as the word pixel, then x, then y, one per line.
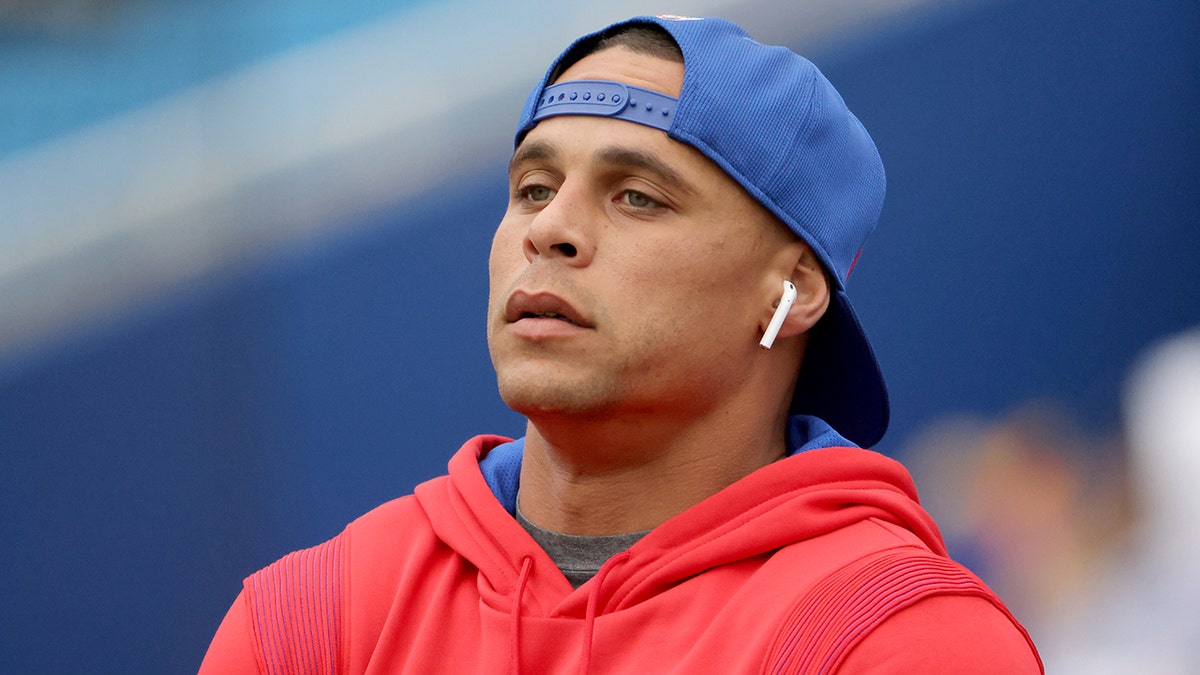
pixel 590 618
pixel 514 650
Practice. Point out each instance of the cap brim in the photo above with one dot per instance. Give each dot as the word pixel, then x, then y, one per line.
pixel 840 380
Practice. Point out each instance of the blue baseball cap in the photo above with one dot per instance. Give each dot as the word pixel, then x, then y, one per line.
pixel 776 125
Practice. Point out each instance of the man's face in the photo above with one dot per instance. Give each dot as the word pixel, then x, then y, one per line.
pixel 627 273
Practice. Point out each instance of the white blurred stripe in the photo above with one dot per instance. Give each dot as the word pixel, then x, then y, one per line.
pixel 97 219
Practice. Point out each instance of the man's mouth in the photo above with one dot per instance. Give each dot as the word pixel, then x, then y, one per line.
pixel 547 315
pixel 542 305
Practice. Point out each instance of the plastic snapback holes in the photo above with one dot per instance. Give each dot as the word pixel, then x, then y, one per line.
pixel 606 99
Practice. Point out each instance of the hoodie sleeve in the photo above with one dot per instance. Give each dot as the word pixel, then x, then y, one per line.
pixel 288 617
pixel 945 634
pixel 902 610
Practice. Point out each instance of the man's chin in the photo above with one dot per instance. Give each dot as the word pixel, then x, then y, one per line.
pixel 534 398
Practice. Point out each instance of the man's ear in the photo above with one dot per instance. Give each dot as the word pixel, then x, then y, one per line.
pixel 812 291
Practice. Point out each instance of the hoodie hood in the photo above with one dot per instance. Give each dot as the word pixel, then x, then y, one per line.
pixel 801 497
pixel 789 568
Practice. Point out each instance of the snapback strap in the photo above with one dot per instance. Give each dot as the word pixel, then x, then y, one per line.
pixel 607 99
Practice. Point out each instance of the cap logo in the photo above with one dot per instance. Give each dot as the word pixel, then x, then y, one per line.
pixel 676 17
pixel 852 264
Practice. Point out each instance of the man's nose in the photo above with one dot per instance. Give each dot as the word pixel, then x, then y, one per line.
pixel 564 229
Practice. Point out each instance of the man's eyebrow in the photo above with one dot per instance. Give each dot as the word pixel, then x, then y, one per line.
pixel 640 159
pixel 620 156
pixel 531 151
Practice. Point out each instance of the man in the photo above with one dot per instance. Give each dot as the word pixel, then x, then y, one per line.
pixel 684 500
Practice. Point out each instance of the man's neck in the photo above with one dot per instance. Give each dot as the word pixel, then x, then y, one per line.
pixel 618 477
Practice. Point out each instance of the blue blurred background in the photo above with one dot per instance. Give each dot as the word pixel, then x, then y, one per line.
pixel 243 272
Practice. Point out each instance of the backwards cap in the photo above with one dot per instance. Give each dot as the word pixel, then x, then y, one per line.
pixel 773 122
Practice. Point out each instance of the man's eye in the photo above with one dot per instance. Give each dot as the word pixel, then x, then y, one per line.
pixel 639 200
pixel 538 193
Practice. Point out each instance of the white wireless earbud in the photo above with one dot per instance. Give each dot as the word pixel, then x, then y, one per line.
pixel 785 304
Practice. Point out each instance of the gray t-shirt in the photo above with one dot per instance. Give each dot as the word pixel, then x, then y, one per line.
pixel 579 557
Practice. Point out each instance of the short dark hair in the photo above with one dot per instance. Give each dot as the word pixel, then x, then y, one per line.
pixel 643 38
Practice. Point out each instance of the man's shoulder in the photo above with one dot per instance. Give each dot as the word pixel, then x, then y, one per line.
pixel 400 510
pixel 386 538
pixel 348 579
pixel 876 584
pixel 380 531
pixel 387 531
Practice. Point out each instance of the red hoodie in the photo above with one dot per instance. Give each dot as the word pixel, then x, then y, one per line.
pixel 821 562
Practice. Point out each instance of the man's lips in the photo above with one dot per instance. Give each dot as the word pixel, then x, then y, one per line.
pixel 523 304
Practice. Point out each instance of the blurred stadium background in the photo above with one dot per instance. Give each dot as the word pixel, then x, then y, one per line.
pixel 242 285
